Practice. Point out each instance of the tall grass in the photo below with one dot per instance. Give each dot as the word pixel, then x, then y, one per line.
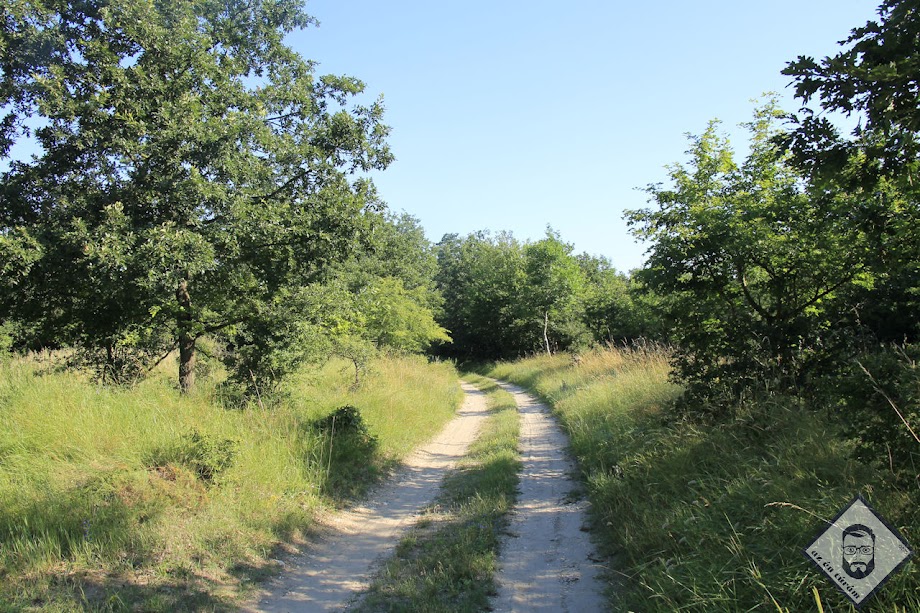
pixel 100 506
pixel 709 518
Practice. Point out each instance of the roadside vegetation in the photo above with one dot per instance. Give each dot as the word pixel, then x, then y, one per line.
pixel 113 498
pixel 710 517
pixel 448 561
pixel 196 200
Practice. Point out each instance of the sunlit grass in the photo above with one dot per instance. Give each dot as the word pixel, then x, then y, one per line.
pixel 83 497
pixel 709 518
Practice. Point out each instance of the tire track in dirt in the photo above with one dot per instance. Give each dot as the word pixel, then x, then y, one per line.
pixel 338 564
pixel 547 562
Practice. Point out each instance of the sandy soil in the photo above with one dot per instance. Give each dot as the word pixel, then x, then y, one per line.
pixel 545 565
pixel 339 563
pixel 548 562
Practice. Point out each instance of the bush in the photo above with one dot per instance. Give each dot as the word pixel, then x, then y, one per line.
pixel 881 410
pixel 6 339
pixel 204 454
pixel 350 453
pixel 345 420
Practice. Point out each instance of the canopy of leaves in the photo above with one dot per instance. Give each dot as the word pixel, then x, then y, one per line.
pixel 876 78
pixel 748 259
pixel 177 143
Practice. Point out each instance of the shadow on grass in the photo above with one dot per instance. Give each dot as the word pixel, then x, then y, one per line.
pixel 448 562
pixel 98 519
pixel 706 516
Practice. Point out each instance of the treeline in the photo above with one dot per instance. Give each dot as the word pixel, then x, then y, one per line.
pixel 504 298
pixel 197 190
pixel 193 178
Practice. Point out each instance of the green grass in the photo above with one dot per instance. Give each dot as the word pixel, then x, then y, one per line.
pixel 710 518
pixel 108 499
pixel 448 562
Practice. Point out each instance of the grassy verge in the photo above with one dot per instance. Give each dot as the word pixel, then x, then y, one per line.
pixel 710 518
pixel 112 499
pixel 448 562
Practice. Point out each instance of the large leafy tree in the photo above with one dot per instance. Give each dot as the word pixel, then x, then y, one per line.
pixel 748 259
pixel 875 78
pixel 482 280
pixel 554 285
pixel 190 169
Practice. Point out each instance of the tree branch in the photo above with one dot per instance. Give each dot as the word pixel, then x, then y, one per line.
pixel 747 294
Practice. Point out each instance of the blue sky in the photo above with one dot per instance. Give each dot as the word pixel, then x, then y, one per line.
pixel 511 115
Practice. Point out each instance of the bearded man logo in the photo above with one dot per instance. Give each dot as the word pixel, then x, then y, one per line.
pixel 858 551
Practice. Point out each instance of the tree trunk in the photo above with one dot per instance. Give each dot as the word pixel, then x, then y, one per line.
pixel 186 339
pixel 108 373
pixel 545 332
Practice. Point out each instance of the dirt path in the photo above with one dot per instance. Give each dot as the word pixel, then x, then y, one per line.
pixel 547 563
pixel 340 562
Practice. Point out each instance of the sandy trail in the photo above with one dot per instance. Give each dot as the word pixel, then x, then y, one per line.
pixel 547 564
pixel 339 563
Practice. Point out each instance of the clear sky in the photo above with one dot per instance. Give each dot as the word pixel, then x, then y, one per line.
pixel 511 115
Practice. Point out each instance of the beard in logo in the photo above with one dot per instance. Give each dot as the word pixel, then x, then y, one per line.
pixel 858 551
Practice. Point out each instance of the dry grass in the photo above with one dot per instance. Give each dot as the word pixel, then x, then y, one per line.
pixel 92 516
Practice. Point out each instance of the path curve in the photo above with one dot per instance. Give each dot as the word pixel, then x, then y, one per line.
pixel 548 562
pixel 339 563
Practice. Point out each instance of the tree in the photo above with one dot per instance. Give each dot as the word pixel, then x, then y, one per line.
pixel 482 280
pixel 191 168
pixel 397 248
pixel 874 77
pixel 748 259
pixel 616 306
pixel 554 281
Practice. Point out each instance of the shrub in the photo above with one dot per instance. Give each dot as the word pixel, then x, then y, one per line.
pixel 345 420
pixel 204 454
pixel 881 409
pixel 350 458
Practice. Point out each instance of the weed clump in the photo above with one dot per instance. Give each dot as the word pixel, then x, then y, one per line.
pixel 344 421
pixel 350 458
pixel 206 455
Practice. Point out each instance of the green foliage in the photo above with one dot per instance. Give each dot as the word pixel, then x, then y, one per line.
pixel 399 250
pixel 6 339
pixel 482 279
pixel 554 284
pixel 206 455
pixel 710 518
pixel 874 76
pixel 347 443
pixel 748 261
pixel 81 498
pixel 618 308
pixel 880 407
pixel 504 298
pixel 191 166
pixel 344 421
pixel 397 317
